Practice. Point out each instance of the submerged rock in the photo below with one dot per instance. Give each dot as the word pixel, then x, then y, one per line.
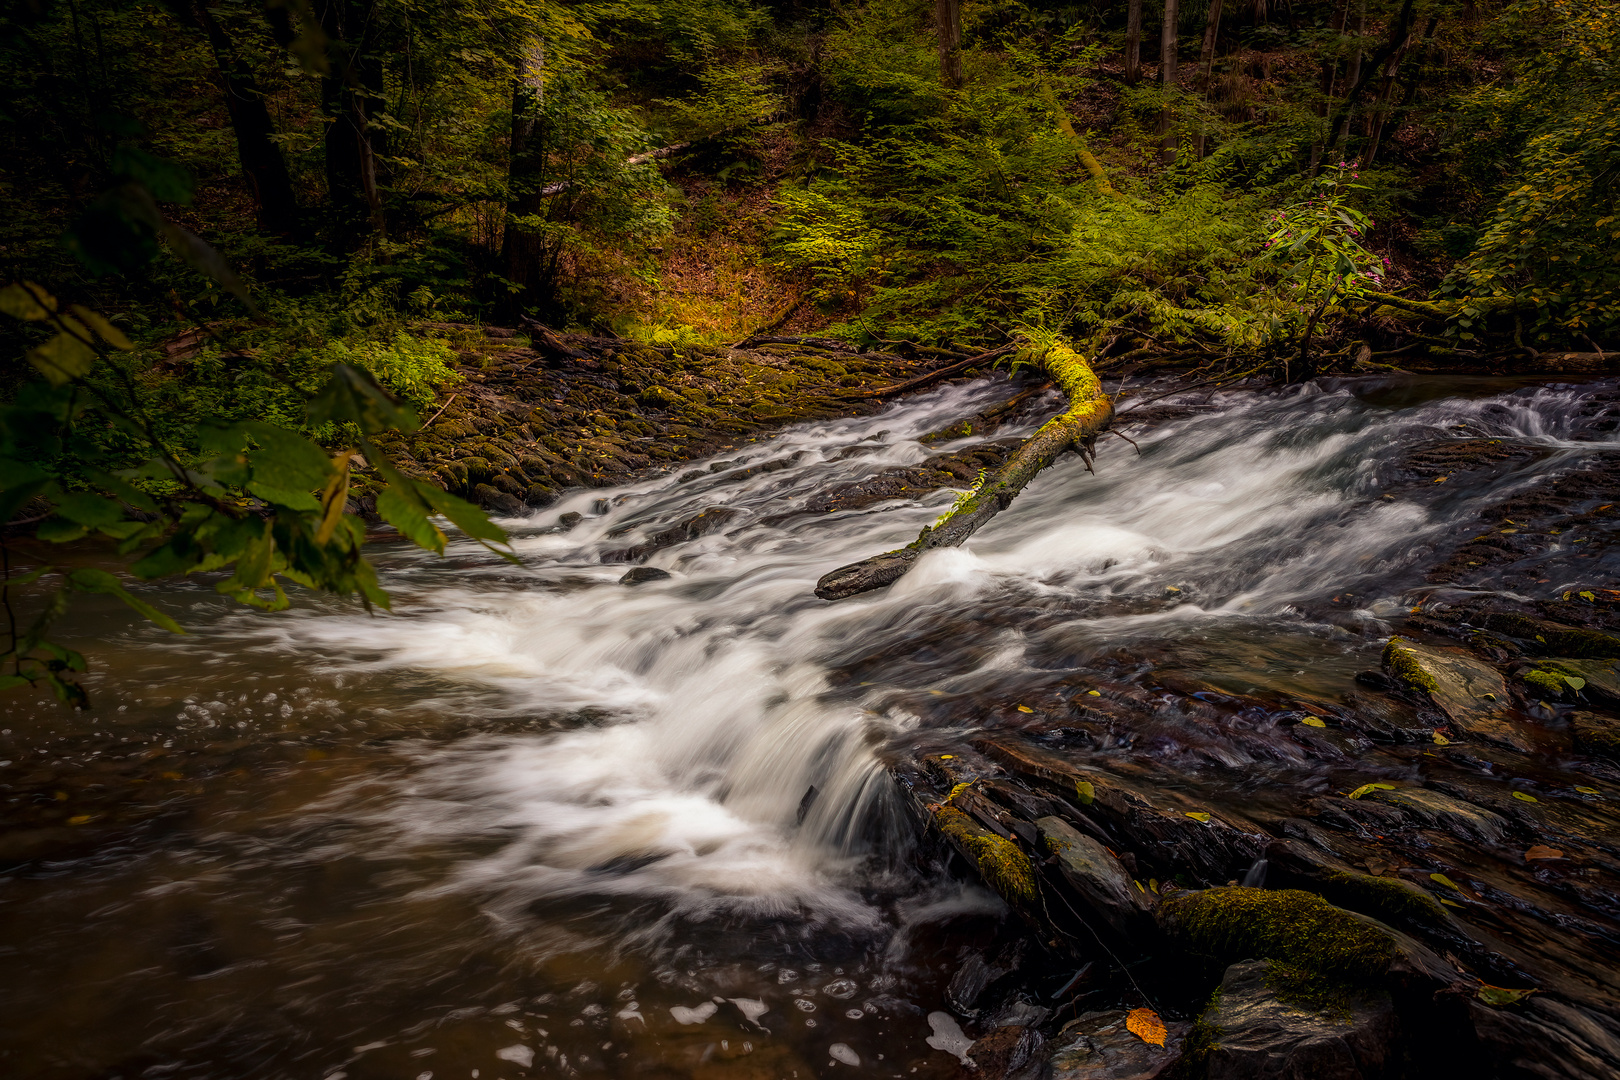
pixel 1471 693
pixel 1097 1046
pixel 1257 1029
pixel 637 575
pixel 1008 1053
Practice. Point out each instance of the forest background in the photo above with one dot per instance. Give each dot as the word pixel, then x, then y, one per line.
pixel 246 238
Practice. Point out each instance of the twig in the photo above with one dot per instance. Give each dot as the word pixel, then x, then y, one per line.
pixel 440 413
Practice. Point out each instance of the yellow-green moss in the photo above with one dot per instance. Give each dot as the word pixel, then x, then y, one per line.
pixel 1546 684
pixel 1389 899
pixel 1402 664
pixel 1298 928
pixel 1556 640
pixel 1002 865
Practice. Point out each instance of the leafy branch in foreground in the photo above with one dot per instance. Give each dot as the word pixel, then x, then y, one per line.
pixel 80 456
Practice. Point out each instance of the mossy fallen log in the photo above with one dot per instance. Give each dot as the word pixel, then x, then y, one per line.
pixel 1089 413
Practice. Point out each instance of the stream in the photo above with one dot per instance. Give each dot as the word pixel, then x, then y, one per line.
pixel 536 822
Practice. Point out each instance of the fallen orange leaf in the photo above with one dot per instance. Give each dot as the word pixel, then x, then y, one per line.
pixel 1542 851
pixel 1146 1025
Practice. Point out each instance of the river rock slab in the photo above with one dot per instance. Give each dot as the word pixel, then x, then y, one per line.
pixel 1596 733
pixel 1008 1053
pixel 1471 693
pixel 1097 1046
pixel 1254 1035
pixel 1096 875
pixel 1432 810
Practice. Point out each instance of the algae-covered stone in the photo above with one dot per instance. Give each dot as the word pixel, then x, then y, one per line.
pixel 1096 875
pixel 1470 693
pixel 1253 1031
pixel 1552 639
pixel 1432 810
pixel 1098 1046
pixel 1001 863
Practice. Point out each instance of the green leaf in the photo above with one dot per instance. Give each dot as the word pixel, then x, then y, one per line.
pixel 10 682
pixel 291 499
pixel 63 358
pixel 1441 879
pixel 1366 789
pixel 463 514
pixel 99 581
pixel 60 530
pixel 404 509
pixel 166 181
pixel 286 459
pixel 104 329
pixel 1084 791
pixel 27 301
pixel 122 488
pixel 12 498
pixel 353 396
pixel 91 510
pixel 1575 682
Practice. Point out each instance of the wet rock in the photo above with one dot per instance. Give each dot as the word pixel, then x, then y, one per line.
pixel 1009 1053
pixel 1552 639
pixel 639 574
pixel 690 529
pixel 967 983
pixel 492 498
pixel 1595 733
pixel 1601 679
pixel 1097 1046
pixel 1470 693
pixel 1548 1039
pixel 1432 810
pixel 1097 877
pixel 570 519
pixel 1254 1032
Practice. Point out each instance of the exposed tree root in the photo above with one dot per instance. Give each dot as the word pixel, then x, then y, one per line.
pixel 1089 414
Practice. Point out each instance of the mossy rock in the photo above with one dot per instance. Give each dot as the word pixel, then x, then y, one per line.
pixel 1001 863
pixel 1471 693
pixel 1300 929
pixel 1551 639
pixel 1595 733
pixel 660 397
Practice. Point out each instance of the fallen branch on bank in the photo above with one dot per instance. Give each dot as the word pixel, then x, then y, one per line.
pixel 1089 413
pixel 927 379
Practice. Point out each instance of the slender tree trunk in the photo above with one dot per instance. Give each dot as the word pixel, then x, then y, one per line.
pixel 1399 28
pixel 1330 73
pixel 261 159
pixel 1353 75
pixel 1167 76
pixel 948 25
pixel 1385 112
pixel 1412 82
pixel 523 249
pixel 354 176
pixel 1206 62
pixel 1133 43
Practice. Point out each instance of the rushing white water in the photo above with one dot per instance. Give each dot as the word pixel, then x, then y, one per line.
pixel 695 713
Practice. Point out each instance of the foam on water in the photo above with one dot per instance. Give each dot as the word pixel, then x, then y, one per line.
pixel 698 713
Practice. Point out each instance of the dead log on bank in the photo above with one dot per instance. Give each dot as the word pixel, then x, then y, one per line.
pixel 1089 414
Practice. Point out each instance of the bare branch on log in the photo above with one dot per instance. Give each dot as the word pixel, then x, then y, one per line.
pixel 1089 413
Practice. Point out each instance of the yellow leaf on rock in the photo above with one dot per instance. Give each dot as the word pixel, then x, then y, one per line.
pixel 1542 851
pixel 1313 721
pixel 1440 740
pixel 1587 790
pixel 1094 693
pixel 1198 815
pixel 1366 788
pixel 1025 708
pixel 79 819
pixel 1085 792
pixel 1146 1025
pixel 1501 995
pixel 1522 797
pixel 1441 879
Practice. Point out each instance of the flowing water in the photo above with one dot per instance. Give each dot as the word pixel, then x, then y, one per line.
pixel 538 822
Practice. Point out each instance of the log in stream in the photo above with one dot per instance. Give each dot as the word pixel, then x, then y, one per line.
pixel 1089 413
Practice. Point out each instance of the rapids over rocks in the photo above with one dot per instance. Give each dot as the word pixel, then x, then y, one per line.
pixel 557 820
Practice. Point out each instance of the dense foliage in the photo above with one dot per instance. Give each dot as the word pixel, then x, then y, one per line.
pixel 250 221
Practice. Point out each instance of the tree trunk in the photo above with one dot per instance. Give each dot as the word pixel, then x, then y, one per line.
pixel 1386 105
pixel 1167 76
pixel 1133 43
pixel 1399 28
pixel 948 23
pixel 1089 414
pixel 261 159
pixel 354 176
pixel 523 250
pixel 1411 85
pixel 1206 62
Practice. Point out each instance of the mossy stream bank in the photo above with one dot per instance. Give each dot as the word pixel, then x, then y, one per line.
pixel 531 420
